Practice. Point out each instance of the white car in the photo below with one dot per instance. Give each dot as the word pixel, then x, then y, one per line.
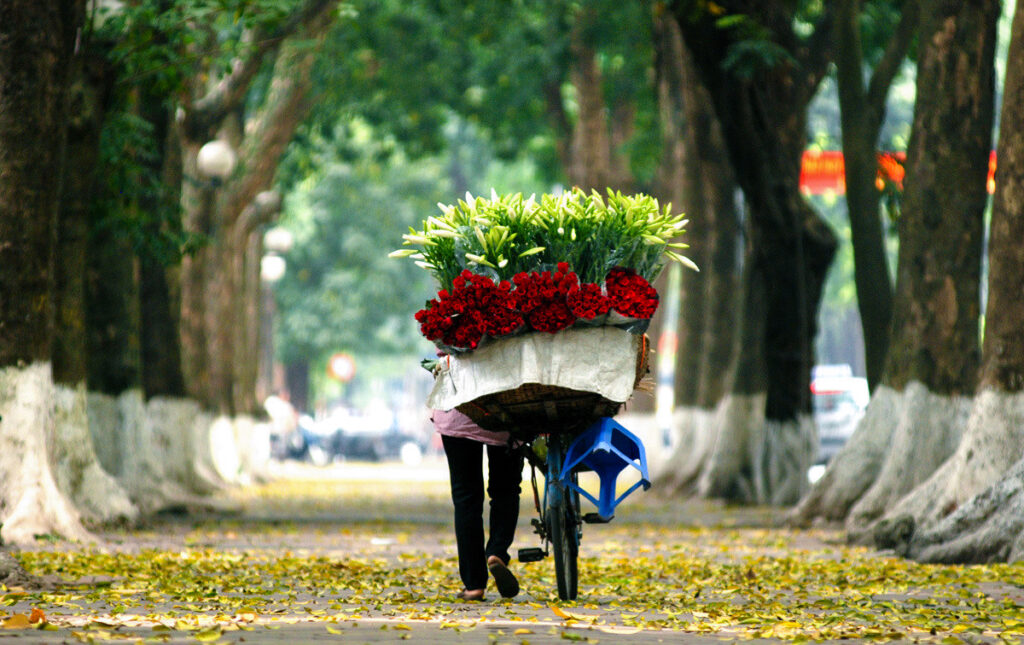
pixel 839 401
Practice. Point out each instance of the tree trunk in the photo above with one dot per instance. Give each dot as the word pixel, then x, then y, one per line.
pixel 980 489
pixel 36 46
pixel 79 475
pixel 763 114
pixel 112 317
pixel 158 297
pixel 590 167
pixel 862 111
pixel 933 354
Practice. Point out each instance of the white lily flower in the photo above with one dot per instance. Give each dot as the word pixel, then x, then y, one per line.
pixel 402 253
pixel 682 259
pixel 479 260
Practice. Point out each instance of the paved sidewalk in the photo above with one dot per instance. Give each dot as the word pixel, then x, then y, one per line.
pixel 364 553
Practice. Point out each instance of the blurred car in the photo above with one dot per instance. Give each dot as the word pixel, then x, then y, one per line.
pixel 390 444
pixel 839 400
pixel 375 436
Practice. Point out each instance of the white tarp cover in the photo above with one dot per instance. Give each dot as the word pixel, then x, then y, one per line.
pixel 598 359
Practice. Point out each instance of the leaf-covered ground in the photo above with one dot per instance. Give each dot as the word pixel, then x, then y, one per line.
pixel 374 560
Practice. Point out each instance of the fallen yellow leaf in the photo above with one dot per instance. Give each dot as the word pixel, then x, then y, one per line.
pixel 17 621
pixel 559 612
pixel 619 629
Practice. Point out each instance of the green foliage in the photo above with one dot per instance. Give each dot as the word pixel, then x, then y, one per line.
pixel 156 47
pixel 134 201
pixel 340 292
pixel 406 66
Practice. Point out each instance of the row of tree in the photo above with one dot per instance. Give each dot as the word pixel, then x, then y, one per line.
pixel 156 289
pixel 129 277
pixel 934 468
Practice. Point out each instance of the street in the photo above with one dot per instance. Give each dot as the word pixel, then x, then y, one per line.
pixel 365 553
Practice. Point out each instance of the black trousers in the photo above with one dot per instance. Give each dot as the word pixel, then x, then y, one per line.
pixel 505 473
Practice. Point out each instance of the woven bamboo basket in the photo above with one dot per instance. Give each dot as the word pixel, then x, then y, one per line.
pixel 534 408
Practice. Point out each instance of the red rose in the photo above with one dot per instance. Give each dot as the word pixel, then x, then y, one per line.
pixel 630 294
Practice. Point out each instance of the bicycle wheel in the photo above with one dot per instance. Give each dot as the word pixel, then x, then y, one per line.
pixel 562 528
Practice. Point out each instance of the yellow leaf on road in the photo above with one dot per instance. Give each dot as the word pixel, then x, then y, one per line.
pixel 619 629
pixel 208 635
pixel 559 612
pixel 17 621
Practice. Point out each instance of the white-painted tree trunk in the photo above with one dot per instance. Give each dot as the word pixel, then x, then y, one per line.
pixel 992 444
pixel 693 437
pixel 30 502
pixel 988 528
pixel 927 430
pixel 856 466
pixel 168 453
pixel 755 460
pixel 727 470
pixel 94 492
pixel 783 453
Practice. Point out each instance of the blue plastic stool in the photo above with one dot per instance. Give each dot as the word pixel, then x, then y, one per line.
pixel 606 448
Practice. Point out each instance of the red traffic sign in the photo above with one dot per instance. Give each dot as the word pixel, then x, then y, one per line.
pixel 342 367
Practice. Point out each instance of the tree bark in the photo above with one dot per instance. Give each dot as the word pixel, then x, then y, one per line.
pixel 96 494
pixel 935 334
pixel 112 317
pixel 36 47
pixel 159 308
pixel 697 175
pixel 213 280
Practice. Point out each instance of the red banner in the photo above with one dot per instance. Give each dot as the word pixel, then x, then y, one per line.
pixel 822 171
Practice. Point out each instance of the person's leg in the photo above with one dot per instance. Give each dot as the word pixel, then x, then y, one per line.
pixel 465 468
pixel 505 473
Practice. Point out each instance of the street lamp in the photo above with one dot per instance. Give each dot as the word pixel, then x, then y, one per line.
pixel 272 268
pixel 278 240
pixel 216 160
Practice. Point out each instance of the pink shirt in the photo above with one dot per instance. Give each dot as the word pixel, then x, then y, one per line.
pixel 453 423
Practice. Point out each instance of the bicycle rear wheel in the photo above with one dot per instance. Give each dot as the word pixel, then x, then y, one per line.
pixel 562 525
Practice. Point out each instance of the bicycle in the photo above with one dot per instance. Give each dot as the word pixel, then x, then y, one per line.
pixel 605 448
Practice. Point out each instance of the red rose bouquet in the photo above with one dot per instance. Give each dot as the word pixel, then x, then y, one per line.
pixel 542 298
pixel 630 294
